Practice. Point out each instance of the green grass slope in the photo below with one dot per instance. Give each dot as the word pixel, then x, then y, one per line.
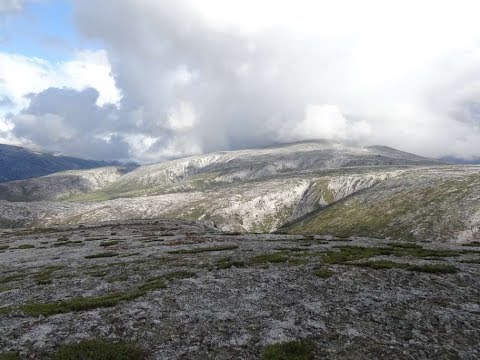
pixel 420 204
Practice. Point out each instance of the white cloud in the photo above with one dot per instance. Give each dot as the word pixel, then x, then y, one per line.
pixel 322 121
pixel 327 122
pixel 373 71
pixel 216 74
pixel 90 69
pixel 21 76
pixel 71 122
pixel 50 126
pixel 182 117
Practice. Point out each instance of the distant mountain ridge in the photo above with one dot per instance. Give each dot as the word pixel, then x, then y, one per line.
pixel 316 187
pixel 204 171
pixel 18 163
pixel 321 187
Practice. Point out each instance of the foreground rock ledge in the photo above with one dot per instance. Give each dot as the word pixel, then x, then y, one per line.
pixel 183 290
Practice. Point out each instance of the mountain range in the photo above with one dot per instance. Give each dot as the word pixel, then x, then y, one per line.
pixel 20 163
pixel 318 187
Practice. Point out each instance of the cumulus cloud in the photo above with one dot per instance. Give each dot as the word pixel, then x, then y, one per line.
pixel 194 76
pixel 327 121
pixel 71 122
pixel 254 72
pixel 22 78
pixel 181 118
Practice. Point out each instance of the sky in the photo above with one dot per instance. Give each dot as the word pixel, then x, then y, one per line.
pixel 151 80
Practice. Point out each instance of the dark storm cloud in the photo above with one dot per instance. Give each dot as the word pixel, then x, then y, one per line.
pixel 70 122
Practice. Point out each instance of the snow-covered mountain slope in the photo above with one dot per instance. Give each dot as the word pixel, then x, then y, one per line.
pixel 204 171
pixel 440 203
pixel 317 187
pixel 254 205
pixel 198 173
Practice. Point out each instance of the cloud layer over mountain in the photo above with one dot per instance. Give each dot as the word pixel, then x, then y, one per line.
pixel 184 77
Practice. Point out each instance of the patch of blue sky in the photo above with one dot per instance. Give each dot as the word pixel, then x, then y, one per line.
pixel 44 29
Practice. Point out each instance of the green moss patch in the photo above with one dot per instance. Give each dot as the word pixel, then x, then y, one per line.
pixel 4 288
pixel 204 249
pixel 323 273
pixel 276 257
pixel 352 253
pixel 10 356
pixel 110 243
pixel 405 245
pixel 293 249
pixel 96 238
pixel 228 262
pixel 473 261
pixel 429 268
pixel 298 261
pixel 101 255
pixel 88 303
pixel 473 243
pixel 100 349
pixel 98 274
pixel 9 278
pixel 25 246
pixel 291 350
pixel 45 276
pixel 67 242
